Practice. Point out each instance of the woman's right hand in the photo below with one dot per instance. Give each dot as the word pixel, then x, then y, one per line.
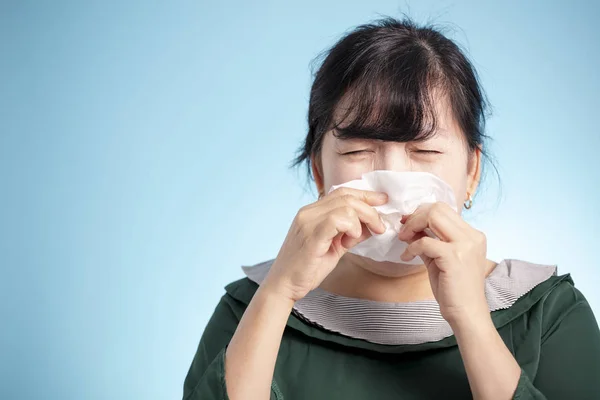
pixel 321 233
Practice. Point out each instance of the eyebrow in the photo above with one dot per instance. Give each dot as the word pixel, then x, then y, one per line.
pixel 439 133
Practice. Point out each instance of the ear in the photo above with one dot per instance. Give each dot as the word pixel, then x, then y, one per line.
pixel 473 171
pixel 317 175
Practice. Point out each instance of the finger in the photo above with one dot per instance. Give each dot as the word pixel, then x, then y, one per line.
pixel 427 247
pixel 336 242
pixel 444 222
pixel 370 197
pixel 349 242
pixel 366 213
pixel 418 236
pixel 334 223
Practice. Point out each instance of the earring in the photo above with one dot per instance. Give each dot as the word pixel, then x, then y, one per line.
pixel 469 203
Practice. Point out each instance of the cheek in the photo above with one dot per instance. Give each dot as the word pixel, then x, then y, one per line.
pixel 335 172
pixel 458 185
pixel 456 176
pixel 460 194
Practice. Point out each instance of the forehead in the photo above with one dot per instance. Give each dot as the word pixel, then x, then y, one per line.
pixel 401 120
pixel 442 118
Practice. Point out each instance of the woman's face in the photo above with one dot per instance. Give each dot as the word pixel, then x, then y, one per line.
pixel 445 154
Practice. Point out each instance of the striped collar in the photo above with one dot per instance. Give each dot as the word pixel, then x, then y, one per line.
pixel 406 323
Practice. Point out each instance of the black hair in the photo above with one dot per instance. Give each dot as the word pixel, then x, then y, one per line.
pixel 387 72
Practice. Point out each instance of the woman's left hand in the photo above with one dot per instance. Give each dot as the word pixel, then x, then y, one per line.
pixel 456 262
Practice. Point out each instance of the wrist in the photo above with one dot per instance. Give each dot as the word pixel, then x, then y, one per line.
pixel 475 312
pixel 472 324
pixel 276 292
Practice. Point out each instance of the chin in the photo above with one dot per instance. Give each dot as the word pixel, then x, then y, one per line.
pixel 390 269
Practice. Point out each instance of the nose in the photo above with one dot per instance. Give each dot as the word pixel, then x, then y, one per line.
pixel 393 157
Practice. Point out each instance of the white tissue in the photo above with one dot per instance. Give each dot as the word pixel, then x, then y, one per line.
pixel 406 191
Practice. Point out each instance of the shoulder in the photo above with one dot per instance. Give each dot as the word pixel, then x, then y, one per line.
pixel 233 302
pixel 523 289
pixel 238 294
pixel 229 309
pixel 562 293
pixel 561 299
pixel 554 301
pixel 558 295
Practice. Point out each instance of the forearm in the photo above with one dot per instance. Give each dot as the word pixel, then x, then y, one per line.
pixel 492 370
pixel 252 352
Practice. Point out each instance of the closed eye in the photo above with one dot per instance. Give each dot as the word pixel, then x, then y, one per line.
pixel 428 152
pixel 355 152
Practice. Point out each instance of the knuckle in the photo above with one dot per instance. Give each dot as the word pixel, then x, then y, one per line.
pixel 458 253
pixel 442 206
pixel 331 219
pixel 347 198
pixel 341 201
pixel 433 217
pixel 349 211
pixel 301 216
pixel 437 209
pixel 342 191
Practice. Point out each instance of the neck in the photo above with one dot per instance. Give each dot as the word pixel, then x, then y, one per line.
pixel 362 278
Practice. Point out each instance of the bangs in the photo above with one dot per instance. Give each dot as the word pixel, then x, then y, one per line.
pixel 390 99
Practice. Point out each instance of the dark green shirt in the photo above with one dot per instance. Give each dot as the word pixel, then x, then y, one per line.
pixel 551 331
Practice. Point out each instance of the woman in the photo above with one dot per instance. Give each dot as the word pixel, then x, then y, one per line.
pixel 320 322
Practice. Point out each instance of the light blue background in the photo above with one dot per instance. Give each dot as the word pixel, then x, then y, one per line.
pixel 144 151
